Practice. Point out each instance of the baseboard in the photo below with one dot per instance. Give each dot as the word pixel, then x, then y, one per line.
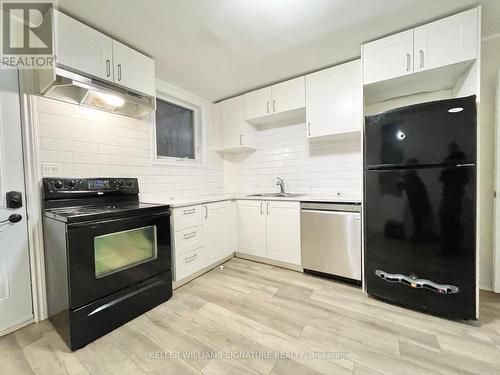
pixel 17 326
pixel 177 284
pixel 277 263
pixel 485 285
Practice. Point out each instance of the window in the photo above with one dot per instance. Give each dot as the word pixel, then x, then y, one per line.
pixel 178 132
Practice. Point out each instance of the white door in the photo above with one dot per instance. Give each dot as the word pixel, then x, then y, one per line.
pixel 448 41
pixel 82 48
pixel 219 230
pixel 133 69
pixel 334 100
pixel 289 95
pixel 283 231
pixel 258 103
pixel 15 285
pixel 252 227
pixel 388 58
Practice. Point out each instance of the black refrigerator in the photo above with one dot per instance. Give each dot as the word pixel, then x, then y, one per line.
pixel 420 207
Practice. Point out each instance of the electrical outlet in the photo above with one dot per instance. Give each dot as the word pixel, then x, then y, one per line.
pixel 51 170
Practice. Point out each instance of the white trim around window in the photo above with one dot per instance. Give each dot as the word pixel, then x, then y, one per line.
pixel 172 94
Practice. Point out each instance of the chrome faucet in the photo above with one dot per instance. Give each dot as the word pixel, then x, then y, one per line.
pixel 281 184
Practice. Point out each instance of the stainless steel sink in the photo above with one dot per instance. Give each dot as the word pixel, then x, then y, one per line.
pixel 276 195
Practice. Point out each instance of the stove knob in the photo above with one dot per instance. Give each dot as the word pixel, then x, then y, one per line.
pixel 129 184
pixel 119 183
pixel 71 183
pixel 58 184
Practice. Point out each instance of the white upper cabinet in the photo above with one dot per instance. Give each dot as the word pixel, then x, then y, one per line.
pixel 235 133
pixel 389 57
pixel 258 103
pixel 448 41
pixel 133 69
pixel 437 44
pixel 289 95
pixel 274 102
pixel 334 100
pixel 83 49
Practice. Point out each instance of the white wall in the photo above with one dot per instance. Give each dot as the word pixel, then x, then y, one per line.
pixel 86 142
pixel 320 167
pixel 490 65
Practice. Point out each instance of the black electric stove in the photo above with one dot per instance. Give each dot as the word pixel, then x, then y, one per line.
pixel 108 256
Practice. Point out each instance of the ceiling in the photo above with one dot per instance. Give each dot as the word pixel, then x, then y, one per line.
pixel 220 48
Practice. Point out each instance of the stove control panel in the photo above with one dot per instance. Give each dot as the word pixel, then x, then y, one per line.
pixel 89 186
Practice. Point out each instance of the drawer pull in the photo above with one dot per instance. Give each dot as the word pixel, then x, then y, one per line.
pixel 191 258
pixel 189 235
pixel 190 211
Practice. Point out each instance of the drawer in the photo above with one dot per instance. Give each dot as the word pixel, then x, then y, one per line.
pixel 188 263
pixel 186 217
pixel 188 239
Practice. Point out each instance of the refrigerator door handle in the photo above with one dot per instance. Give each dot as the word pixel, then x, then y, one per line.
pixel 416 283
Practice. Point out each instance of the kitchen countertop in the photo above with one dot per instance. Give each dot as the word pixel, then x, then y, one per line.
pixel 223 197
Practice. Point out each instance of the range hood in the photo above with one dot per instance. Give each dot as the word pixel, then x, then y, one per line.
pixel 89 92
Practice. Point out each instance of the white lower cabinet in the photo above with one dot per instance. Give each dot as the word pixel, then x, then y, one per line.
pixel 269 229
pixel 219 230
pixel 202 235
pixel 283 231
pixel 252 227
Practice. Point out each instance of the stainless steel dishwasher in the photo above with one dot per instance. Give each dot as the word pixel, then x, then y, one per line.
pixel 331 240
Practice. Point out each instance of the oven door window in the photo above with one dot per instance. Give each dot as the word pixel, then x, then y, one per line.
pixel 121 250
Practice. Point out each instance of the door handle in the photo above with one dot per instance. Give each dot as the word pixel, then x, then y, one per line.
pixel 108 68
pixel 241 139
pixel 408 62
pixel 309 129
pixel 261 208
pixel 267 106
pixel 206 212
pixel 422 62
pixel 190 211
pixel 14 218
pixel 274 105
pixel 267 208
pixel 119 72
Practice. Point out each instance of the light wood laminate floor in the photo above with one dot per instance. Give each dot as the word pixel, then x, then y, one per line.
pixel 249 313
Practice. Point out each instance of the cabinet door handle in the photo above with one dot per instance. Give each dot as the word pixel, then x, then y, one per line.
pixel 188 212
pixel 119 72
pixel 408 62
pixel 421 58
pixel 206 212
pixel 191 258
pixel 241 139
pixel 267 106
pixel 267 208
pixel 108 67
pixel 261 208
pixel 309 129
pixel 189 235
pixel 274 105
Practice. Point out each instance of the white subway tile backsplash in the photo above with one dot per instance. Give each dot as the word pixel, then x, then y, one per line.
pixel 329 167
pixel 86 143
